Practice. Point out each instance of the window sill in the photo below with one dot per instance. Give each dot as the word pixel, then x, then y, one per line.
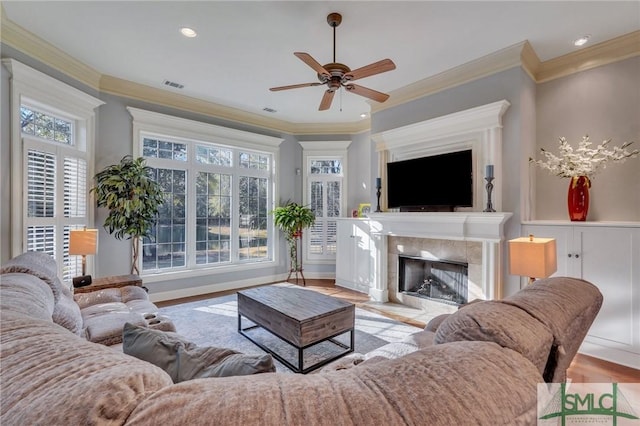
pixel 201 271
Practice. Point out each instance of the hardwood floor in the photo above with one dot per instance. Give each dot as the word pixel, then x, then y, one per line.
pixel 584 369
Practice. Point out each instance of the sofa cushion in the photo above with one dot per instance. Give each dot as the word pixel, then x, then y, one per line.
pixel 38 264
pixel 462 383
pixel 567 306
pixel 26 294
pixel 506 325
pixel 103 323
pixel 50 376
pixel 392 350
pixel 183 360
pixel 66 313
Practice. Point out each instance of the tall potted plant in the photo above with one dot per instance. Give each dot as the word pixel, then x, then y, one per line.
pixel 133 197
pixel 292 218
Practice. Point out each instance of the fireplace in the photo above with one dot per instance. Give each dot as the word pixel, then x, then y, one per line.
pixel 436 280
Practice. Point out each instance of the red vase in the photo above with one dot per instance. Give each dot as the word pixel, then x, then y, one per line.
pixel 578 198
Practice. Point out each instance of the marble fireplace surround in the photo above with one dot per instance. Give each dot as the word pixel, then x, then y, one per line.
pixel 473 237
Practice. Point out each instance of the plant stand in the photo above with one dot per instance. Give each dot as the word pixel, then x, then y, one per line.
pixel 295 252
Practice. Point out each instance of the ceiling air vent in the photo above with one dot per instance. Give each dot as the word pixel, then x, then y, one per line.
pixel 267 109
pixel 173 84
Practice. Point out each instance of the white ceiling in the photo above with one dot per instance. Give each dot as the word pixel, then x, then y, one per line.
pixel 244 47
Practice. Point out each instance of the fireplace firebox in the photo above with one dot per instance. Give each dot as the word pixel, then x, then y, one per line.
pixel 442 281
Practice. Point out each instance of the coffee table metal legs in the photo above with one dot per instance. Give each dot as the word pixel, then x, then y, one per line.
pixel 300 367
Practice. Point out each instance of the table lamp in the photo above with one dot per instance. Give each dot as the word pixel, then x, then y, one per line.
pixel 532 257
pixel 83 242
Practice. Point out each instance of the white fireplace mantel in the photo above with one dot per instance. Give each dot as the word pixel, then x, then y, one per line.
pixel 487 228
pixel 467 226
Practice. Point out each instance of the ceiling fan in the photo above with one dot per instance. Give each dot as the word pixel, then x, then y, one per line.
pixel 336 75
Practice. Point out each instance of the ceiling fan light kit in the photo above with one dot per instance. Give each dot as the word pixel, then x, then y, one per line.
pixel 336 75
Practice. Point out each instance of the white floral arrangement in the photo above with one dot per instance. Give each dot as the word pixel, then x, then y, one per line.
pixel 583 161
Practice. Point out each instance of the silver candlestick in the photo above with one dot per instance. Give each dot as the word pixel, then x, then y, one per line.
pixel 489 187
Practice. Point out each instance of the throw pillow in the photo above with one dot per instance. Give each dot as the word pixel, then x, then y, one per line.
pixel 183 360
pixel 498 322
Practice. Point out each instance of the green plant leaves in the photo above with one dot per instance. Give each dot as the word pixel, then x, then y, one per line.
pixel 128 190
pixel 293 218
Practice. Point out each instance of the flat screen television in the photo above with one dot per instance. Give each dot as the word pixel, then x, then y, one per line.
pixel 435 183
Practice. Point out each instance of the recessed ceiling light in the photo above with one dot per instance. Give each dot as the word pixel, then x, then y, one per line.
pixel 581 41
pixel 188 32
pixel 363 115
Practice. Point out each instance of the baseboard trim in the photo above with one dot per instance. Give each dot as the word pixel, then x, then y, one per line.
pixel 616 356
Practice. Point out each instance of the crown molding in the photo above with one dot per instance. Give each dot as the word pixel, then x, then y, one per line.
pixel 20 39
pixel 501 60
pixel 128 89
pixel 131 90
pixel 616 49
pixel 523 55
pixel 530 62
pixel 325 145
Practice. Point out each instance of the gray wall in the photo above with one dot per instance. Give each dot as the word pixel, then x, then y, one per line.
pixel 604 103
pixel 361 175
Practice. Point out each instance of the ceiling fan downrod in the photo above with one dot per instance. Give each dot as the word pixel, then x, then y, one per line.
pixel 334 19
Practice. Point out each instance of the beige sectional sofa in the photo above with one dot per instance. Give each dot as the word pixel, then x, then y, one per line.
pixel 98 316
pixel 479 366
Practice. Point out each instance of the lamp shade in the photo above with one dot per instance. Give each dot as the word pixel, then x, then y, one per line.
pixel 532 257
pixel 83 241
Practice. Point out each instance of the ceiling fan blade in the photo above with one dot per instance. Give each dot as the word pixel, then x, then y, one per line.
pixel 294 86
pixel 307 59
pixel 326 100
pixel 371 69
pixel 367 93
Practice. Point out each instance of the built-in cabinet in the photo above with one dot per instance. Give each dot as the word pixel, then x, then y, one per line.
pixel 354 266
pixel 607 255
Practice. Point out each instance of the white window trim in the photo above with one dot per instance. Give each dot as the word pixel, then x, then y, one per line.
pixel 323 149
pixel 32 87
pixel 147 123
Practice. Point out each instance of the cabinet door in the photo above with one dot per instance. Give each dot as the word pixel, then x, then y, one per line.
pixel 362 257
pixel 344 253
pixel 607 260
pixel 353 257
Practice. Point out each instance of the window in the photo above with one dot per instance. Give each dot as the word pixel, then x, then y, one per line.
pixel 324 194
pixel 219 188
pixel 56 196
pixel 52 133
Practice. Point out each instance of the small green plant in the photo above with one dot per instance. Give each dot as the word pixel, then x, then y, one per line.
pixel 133 197
pixel 292 218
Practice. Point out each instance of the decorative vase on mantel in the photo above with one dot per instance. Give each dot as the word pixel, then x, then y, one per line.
pixel 578 198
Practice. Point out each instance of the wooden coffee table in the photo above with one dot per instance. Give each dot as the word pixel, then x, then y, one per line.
pixel 302 318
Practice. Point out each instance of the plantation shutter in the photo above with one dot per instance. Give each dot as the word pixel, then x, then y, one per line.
pixel 56 201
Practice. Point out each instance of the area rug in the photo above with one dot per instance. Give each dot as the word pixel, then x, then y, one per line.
pixel 214 322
